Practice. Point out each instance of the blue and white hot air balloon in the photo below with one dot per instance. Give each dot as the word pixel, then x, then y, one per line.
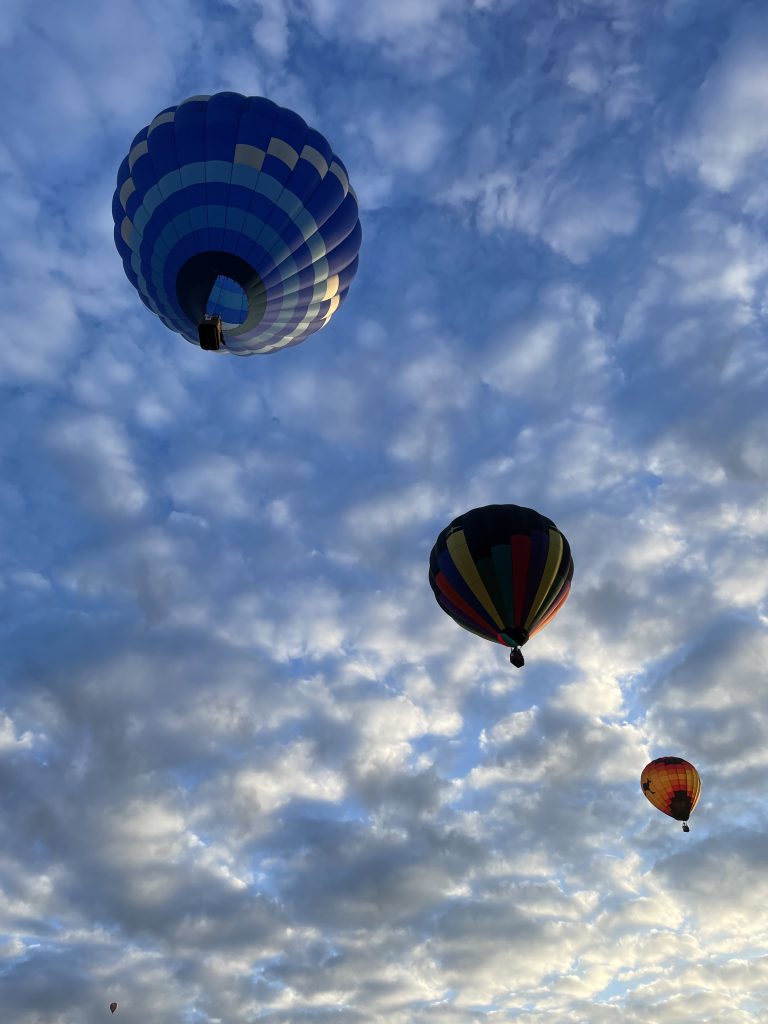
pixel 236 223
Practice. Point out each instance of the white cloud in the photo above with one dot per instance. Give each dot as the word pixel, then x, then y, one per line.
pixel 562 331
pixel 308 623
pixel 271 31
pixel 727 129
pixel 9 739
pixel 392 511
pixel 424 38
pixel 717 260
pixel 576 215
pixel 94 452
pixel 213 484
pixel 581 219
pixel 409 138
pixel 292 775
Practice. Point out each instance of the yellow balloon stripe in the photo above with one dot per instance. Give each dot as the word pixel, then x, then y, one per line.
pixel 694 785
pixel 554 555
pixel 462 559
pixel 547 606
pixel 552 609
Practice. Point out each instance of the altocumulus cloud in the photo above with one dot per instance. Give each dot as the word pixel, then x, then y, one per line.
pixel 248 770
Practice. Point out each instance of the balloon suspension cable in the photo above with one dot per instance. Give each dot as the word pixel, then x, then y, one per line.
pixel 516 657
pixel 685 827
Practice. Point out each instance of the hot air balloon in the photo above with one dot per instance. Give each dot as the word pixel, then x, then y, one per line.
pixel 503 572
pixel 236 223
pixel 673 786
pixel 112 1007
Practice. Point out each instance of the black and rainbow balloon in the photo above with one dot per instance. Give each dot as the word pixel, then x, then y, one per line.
pixel 502 572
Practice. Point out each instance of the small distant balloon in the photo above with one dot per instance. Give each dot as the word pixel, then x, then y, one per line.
pixel 673 786
pixel 112 1007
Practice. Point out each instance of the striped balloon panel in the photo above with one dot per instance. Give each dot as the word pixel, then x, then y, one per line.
pixel 229 185
pixel 501 571
pixel 672 785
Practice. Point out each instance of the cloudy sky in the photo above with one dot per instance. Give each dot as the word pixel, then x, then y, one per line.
pixel 249 771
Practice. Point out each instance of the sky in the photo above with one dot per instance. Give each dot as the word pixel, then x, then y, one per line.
pixel 249 770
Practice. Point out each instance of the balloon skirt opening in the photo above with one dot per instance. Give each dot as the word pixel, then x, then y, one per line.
pixel 229 301
pixel 221 284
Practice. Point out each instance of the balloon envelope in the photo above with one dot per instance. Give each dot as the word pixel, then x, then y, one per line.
pixel 672 785
pixel 113 1007
pixel 501 571
pixel 233 206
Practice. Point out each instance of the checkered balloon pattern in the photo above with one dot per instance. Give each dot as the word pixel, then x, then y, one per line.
pixel 232 205
pixel 672 785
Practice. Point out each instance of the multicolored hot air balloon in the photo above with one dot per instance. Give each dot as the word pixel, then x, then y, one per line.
pixel 673 786
pixel 112 1007
pixel 503 572
pixel 236 223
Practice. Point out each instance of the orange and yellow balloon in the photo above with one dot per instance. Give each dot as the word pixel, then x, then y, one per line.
pixel 673 786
